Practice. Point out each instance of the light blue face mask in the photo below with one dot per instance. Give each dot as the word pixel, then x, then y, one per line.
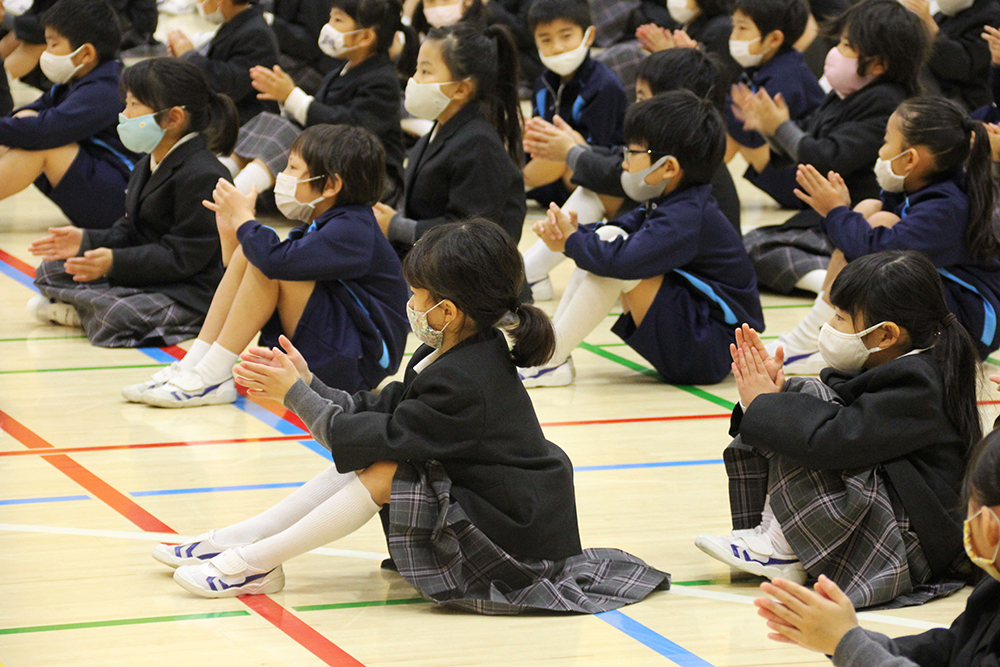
pixel 141 134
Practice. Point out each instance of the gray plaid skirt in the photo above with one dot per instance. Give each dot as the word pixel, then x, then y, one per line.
pixel 450 561
pixel 624 60
pixel 843 524
pixel 120 316
pixel 781 256
pixel 268 137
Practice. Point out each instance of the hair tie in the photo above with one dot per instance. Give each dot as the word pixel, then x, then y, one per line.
pixel 515 305
pixel 948 320
pixel 968 124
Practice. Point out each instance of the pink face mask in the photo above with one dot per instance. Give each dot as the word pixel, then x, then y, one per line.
pixel 842 73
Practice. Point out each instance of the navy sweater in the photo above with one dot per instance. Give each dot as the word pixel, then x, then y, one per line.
pixel 592 101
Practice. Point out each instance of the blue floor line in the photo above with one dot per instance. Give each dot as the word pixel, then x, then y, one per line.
pixel 652 639
pixel 214 489
pixel 658 464
pixel 11 272
pixel 48 499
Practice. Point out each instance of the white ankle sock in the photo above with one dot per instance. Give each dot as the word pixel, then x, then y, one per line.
pixel 767 515
pixel 230 164
pixel 253 174
pixel 804 338
pixel 349 509
pixel 539 261
pixel 217 364
pixel 299 503
pixel 812 281
pixel 197 352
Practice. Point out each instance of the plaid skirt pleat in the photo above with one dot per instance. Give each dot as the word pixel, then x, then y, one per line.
pixel 450 561
pixel 268 137
pixel 624 60
pixel 120 316
pixel 782 256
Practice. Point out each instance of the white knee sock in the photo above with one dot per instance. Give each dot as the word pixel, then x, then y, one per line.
pixel 781 547
pixel 587 206
pixel 341 515
pixel 197 352
pixel 812 281
pixel 804 338
pixel 217 364
pixel 253 174
pixel 582 309
pixel 539 260
pixel 299 503
pixel 230 164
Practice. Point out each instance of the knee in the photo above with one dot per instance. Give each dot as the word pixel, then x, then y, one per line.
pixel 377 478
pixel 883 219
pixel 868 207
pixel 611 232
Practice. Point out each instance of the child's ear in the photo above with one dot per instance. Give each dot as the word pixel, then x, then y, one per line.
pixel 333 186
pixel 589 35
pixel 464 91
pixel 671 169
pixel 88 54
pixel 772 41
pixel 876 68
pixel 367 38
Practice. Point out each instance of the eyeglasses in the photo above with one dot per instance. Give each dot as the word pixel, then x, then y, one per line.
pixel 629 152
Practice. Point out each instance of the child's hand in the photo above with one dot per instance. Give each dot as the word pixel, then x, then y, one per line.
pixel 267 380
pixel 231 205
pixel 769 112
pixel 266 356
pixel 271 84
pixel 178 43
pixel 556 228
pixel 654 38
pixel 550 141
pixel 383 214
pixel 683 41
pixel 993 131
pixel 746 335
pixel 93 265
pixel 822 194
pixel 752 377
pixel 816 620
pixel 992 37
pixel 995 379
pixel 61 243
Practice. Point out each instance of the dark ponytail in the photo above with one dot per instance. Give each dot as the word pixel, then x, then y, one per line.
pixel 475 265
pixel 164 83
pixel 956 142
pixel 982 481
pixel 490 58
pixel 905 288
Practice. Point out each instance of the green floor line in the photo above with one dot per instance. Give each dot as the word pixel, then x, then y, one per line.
pixel 995 362
pixel 124 621
pixel 32 338
pixel 627 363
pixel 89 368
pixel 357 605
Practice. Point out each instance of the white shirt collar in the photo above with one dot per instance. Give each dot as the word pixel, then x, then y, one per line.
pixel 153 163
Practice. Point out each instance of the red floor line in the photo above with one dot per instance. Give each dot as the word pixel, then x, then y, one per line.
pixel 153 445
pixel 989 403
pixel 284 620
pixel 22 266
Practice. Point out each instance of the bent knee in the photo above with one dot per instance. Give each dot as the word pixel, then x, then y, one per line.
pixel 377 478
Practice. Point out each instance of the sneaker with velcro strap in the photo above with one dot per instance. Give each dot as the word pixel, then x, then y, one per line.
pixel 227 576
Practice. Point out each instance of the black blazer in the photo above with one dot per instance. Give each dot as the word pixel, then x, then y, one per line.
pixel 893 417
pixel 240 43
pixel 367 95
pixel 168 242
pixel 959 65
pixel 469 411
pixel 465 172
pixel 297 24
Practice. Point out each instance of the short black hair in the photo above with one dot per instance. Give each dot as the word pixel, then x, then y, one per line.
pixel 349 151
pixel 382 16
pixel 886 31
pixel 686 69
pixel 547 11
pixel 86 22
pixel 788 16
pixel 681 124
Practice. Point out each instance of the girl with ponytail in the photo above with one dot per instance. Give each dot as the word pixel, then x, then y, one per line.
pixel 149 279
pixel 938 197
pixel 469 164
pixel 478 507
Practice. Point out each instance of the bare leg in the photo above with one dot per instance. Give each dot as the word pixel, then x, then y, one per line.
pixel 758 158
pixel 732 148
pixel 240 160
pixel 883 219
pixel 868 207
pixel 20 168
pixel 377 478
pixel 611 205
pixel 8 44
pixel 638 301
pixel 23 59
pixel 833 269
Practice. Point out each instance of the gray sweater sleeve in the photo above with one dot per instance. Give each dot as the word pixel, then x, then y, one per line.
pixel 402 230
pixel 318 406
pixel 787 137
pixel 864 648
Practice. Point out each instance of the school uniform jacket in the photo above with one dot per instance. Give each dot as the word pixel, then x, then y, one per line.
pixel 464 172
pixel 469 411
pixel 894 418
pixel 240 43
pixel 933 221
pixel 168 242
pixel 367 95
pixel 345 251
pixel 959 64
pixel 592 101
pixel 296 25
pixel 84 112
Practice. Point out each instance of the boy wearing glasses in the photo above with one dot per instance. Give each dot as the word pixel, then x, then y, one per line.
pixel 678 265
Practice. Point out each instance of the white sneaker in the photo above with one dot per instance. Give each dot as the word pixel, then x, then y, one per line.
pixel 133 392
pixel 192 553
pixel 227 576
pixel 810 364
pixel 189 390
pixel 50 311
pixel 548 376
pixel 541 290
pixel 753 554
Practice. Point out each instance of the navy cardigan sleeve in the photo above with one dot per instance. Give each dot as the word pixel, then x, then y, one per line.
pixel 88 108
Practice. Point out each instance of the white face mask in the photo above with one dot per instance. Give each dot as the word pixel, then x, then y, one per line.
pixel 215 17
pixel 425 100
pixel 638 189
pixel 740 51
pixel 59 69
pixel 424 332
pixel 331 41
pixel 284 196
pixel 680 12
pixel 566 63
pixel 952 7
pixel 444 15
pixel 887 179
pixel 843 351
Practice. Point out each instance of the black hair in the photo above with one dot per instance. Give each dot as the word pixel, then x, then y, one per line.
pixel 489 57
pixel 576 12
pixel 474 13
pixel 789 16
pixel 956 142
pixel 685 69
pixel 887 32
pixel 385 18
pixel 86 22
pixel 982 479
pixel 681 124
pixel 164 83
pixel 905 288
pixel 348 151
pixel 712 8
pixel 475 265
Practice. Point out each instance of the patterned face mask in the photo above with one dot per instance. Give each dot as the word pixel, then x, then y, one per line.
pixel 424 332
pixel 986 562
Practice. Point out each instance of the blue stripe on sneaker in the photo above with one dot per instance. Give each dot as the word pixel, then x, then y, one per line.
pixel 223 586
